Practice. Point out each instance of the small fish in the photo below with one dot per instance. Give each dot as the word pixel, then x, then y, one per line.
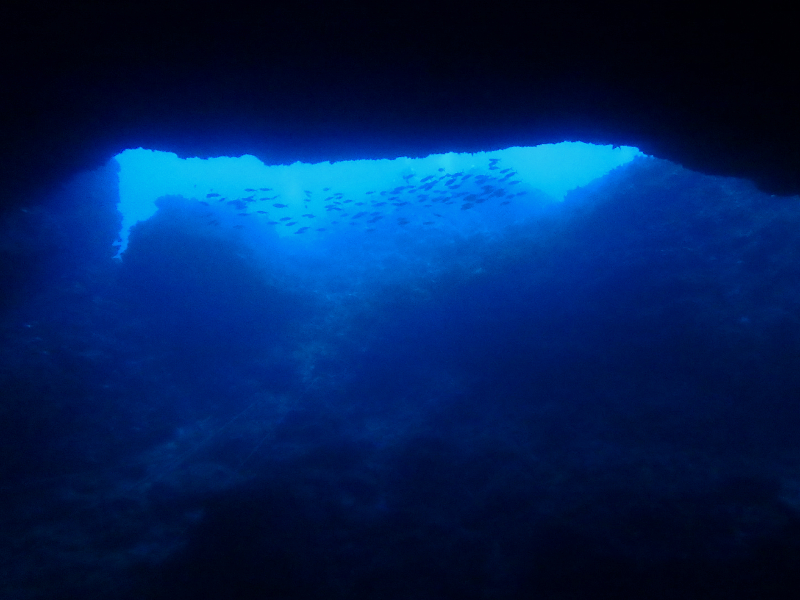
pixel 212 195
pixel 261 212
pixel 285 219
pixel 281 205
pixel 249 190
pixel 205 203
pixel 326 189
pixel 467 206
pixel 308 215
pixel 264 189
pixel 301 230
pixel 272 223
pixel 290 223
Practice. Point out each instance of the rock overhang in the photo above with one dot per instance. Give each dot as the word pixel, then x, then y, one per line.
pixel 323 82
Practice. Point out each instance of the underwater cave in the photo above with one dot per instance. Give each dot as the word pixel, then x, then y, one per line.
pixel 403 303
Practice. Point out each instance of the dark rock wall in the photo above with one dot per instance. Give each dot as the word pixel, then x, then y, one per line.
pixel 713 90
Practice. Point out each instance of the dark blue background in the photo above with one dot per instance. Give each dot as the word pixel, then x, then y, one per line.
pixel 608 408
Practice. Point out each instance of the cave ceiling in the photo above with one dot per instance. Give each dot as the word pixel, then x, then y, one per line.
pixel 319 81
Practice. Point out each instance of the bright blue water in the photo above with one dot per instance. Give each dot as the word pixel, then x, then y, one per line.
pixel 324 198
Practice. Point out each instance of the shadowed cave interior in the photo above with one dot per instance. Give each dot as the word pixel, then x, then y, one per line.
pixel 471 385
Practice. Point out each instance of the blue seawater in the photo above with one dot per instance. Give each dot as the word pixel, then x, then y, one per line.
pixel 446 382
